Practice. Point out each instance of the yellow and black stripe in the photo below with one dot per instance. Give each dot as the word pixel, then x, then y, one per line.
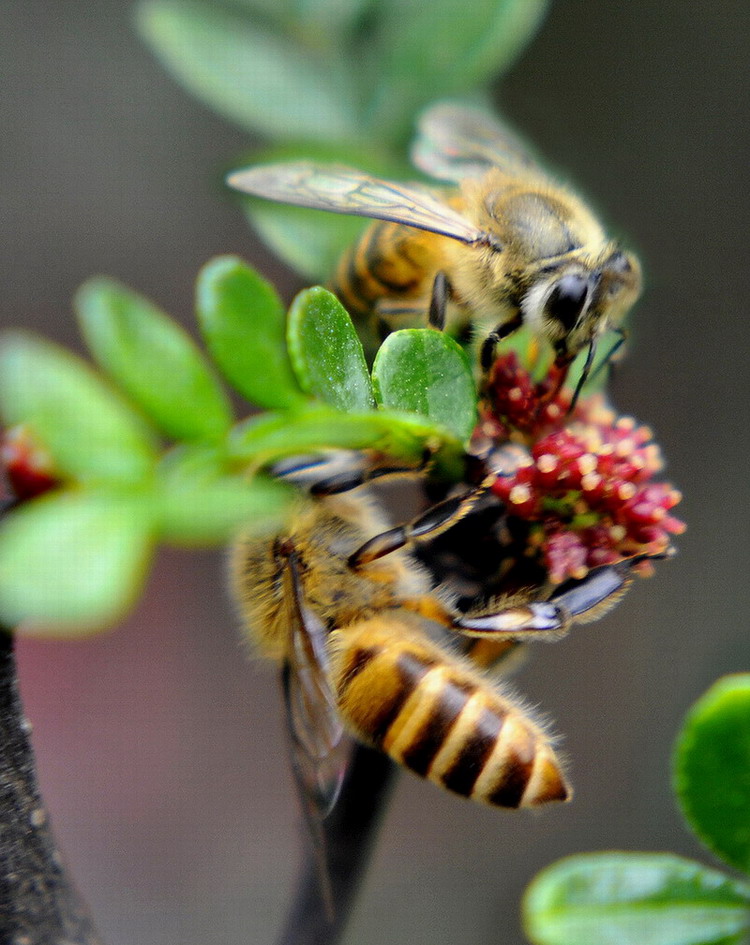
pixel 387 262
pixel 406 697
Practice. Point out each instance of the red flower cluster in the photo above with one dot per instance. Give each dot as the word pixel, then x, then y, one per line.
pixel 583 482
pixel 25 464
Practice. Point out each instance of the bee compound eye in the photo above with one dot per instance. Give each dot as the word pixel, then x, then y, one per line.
pixel 567 299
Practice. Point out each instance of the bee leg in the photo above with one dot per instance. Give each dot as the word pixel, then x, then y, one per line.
pixel 591 598
pixel 333 472
pixel 607 361
pixel 344 482
pixel 441 293
pixel 575 602
pixel 436 520
pixel 539 620
pixel 584 375
pixel 487 351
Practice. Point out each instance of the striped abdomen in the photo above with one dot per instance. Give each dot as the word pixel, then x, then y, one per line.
pixel 404 695
pixel 389 261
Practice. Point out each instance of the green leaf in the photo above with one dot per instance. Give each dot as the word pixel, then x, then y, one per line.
pixel 244 323
pixel 198 503
pixel 332 18
pixel 411 63
pixel 248 73
pixel 264 439
pixel 91 433
pixel 712 769
pixel 427 372
pixel 73 562
pixel 153 360
pixel 326 352
pixel 635 899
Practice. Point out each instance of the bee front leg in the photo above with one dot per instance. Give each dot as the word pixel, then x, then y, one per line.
pixel 576 602
pixel 487 351
pixel 539 620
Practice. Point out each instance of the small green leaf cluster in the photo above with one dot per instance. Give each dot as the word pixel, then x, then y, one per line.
pixel 146 450
pixel 332 81
pixel 657 898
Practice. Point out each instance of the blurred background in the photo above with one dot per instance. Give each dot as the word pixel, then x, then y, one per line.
pixel 160 748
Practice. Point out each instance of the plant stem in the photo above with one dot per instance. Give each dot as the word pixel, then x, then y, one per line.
pixel 350 831
pixel 39 904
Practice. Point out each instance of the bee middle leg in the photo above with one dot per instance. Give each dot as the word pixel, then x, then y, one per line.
pixel 337 471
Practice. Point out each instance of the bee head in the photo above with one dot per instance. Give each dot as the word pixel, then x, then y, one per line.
pixel 572 303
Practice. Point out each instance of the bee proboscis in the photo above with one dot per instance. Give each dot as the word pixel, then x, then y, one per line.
pixel 509 247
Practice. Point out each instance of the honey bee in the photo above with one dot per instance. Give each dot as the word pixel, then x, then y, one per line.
pixel 385 631
pixel 508 247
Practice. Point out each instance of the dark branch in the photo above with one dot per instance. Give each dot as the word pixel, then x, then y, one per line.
pixel 349 835
pixel 38 903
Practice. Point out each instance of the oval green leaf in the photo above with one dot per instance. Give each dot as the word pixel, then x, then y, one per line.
pixel 72 563
pixel 244 323
pixel 198 503
pixel 91 433
pixel 427 372
pixel 326 352
pixel 253 76
pixel 635 899
pixel 153 360
pixel 712 769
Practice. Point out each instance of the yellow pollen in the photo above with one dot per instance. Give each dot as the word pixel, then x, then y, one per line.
pixel 617 533
pixel 515 393
pixel 626 491
pixel 519 494
pixel 586 463
pixel 625 423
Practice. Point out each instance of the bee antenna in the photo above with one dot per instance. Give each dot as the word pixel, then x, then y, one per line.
pixel 584 375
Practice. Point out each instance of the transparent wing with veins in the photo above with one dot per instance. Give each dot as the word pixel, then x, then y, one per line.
pixel 320 748
pixel 455 142
pixel 345 190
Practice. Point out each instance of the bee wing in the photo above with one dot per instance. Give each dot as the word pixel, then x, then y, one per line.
pixel 345 190
pixel 454 142
pixel 319 747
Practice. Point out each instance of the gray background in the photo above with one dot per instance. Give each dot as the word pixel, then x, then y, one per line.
pixel 160 748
